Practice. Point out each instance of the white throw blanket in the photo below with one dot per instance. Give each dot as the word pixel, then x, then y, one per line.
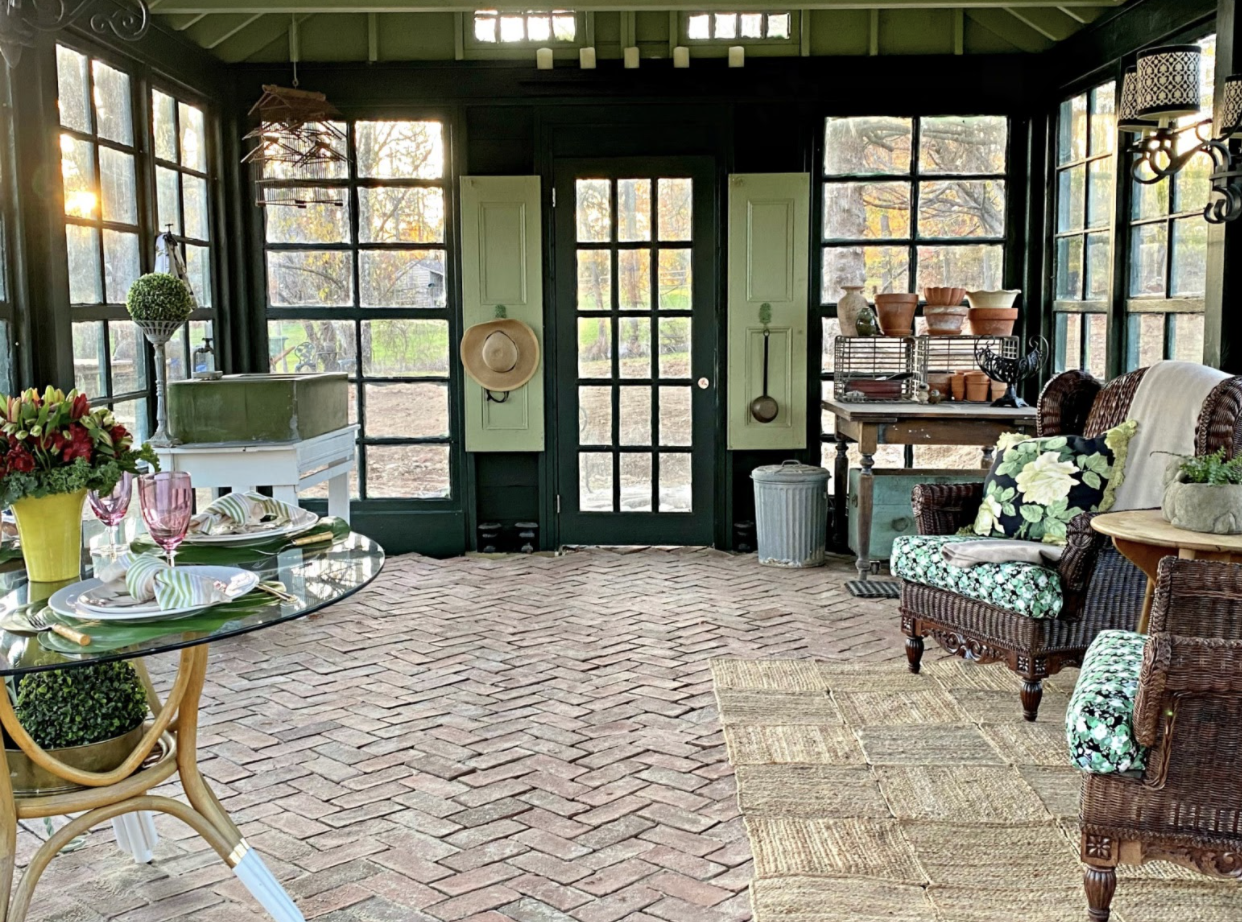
pixel 1166 406
pixel 1001 550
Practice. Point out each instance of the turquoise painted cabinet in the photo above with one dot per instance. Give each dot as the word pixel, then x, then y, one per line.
pixel 893 511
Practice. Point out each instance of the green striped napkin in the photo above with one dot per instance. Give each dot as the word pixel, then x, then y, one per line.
pixel 148 577
pixel 236 513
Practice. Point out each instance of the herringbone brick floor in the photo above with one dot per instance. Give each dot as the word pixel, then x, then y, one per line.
pixel 528 738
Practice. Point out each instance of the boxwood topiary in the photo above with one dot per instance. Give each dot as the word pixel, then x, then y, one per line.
pixel 87 704
pixel 159 296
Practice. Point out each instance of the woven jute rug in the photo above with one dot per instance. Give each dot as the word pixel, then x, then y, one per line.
pixel 874 795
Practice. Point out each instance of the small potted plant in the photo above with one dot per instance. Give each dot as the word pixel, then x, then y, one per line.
pixel 57 449
pixel 89 717
pixel 160 303
pixel 1205 494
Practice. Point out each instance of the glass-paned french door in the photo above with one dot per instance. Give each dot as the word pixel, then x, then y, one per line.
pixel 636 350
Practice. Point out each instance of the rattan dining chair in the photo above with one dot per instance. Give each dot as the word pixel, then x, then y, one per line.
pixel 1101 589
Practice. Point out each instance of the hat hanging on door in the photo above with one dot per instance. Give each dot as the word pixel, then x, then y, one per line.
pixel 501 355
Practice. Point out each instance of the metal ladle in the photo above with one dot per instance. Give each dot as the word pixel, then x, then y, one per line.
pixel 764 408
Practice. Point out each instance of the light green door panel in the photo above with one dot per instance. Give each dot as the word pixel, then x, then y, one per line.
pixel 502 264
pixel 769 216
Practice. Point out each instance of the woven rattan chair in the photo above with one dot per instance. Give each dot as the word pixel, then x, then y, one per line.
pixel 1101 589
pixel 1186 805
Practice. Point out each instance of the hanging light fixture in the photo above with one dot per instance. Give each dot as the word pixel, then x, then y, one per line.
pixel 1163 87
pixel 298 146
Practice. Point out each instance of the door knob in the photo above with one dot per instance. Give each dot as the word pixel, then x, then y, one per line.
pixel 704 384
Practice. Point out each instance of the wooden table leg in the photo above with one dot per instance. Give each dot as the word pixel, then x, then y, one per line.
pixel 841 494
pixel 1147 558
pixel 866 504
pixel 338 496
pixel 108 795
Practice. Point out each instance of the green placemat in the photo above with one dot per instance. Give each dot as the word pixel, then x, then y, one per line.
pixel 217 555
pixel 116 635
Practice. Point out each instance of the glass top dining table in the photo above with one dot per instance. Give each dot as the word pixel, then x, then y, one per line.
pixel 313 577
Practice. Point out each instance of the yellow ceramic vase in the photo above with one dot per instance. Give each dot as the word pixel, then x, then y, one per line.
pixel 50 530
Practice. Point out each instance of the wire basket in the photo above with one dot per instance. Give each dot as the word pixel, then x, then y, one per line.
pixel 870 368
pixel 158 332
pixel 953 353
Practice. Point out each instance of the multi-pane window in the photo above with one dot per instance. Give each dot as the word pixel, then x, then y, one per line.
pixel 525 28
pixel 635 297
pixel 1168 250
pixel 103 231
pixel 733 27
pixel 1082 261
pixel 179 144
pixel 363 288
pixel 909 203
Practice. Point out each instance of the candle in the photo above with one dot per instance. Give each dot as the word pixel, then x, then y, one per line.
pixel 737 56
pixel 681 56
pixel 631 58
pixel 543 58
pixel 586 58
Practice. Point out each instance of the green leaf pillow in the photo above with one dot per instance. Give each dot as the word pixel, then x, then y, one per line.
pixel 1037 486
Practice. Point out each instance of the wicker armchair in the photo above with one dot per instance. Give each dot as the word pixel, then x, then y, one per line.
pixel 1101 589
pixel 1185 806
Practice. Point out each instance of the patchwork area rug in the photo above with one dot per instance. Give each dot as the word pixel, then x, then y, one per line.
pixel 874 795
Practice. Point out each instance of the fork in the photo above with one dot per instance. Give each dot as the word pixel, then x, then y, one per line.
pixel 38 621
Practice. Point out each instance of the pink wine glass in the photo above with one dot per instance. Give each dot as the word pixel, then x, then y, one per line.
pixel 110 508
pixel 167 499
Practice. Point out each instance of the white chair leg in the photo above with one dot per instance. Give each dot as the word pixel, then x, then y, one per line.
pixel 136 835
pixel 252 872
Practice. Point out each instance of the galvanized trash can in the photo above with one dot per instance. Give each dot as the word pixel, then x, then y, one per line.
pixel 791 514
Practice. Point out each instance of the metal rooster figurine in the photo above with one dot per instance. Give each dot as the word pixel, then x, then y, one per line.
pixel 1011 371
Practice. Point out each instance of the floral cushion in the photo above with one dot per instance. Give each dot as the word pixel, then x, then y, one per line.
pixel 1022 588
pixel 1037 486
pixel 1099 725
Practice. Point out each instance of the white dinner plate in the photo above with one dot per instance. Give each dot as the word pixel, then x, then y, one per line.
pixel 68 601
pixel 303 520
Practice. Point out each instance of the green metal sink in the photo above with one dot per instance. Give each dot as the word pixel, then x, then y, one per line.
pixel 258 408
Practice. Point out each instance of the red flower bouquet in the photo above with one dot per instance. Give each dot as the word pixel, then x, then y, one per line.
pixel 55 443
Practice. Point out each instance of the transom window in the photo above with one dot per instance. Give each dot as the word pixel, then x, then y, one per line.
pixel 728 27
pixel 909 203
pixel 534 27
pixel 635 298
pixel 1082 263
pixel 363 289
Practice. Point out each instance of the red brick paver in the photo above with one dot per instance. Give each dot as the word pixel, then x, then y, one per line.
pixel 526 738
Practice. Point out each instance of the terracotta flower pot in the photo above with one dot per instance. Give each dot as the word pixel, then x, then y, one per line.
pixel 992 321
pixel 944 297
pixel 957 386
pixel 896 313
pixel 944 320
pixel 977 391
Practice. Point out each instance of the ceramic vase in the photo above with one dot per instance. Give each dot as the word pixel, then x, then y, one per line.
pixel 50 531
pixel 852 303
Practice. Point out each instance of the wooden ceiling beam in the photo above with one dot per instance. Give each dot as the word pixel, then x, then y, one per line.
pixel 1011 29
pixel 250 41
pixel 1048 22
pixel 167 7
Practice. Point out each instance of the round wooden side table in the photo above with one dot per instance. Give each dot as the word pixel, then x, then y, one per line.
pixel 1144 537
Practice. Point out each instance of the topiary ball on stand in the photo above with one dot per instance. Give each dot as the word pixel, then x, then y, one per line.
pixel 159 304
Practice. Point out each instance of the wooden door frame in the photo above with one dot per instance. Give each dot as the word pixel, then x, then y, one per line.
pixel 698 527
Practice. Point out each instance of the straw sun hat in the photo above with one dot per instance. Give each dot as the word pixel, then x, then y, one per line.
pixel 501 355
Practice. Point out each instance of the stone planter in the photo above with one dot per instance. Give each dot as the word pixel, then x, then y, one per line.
pixel 1211 508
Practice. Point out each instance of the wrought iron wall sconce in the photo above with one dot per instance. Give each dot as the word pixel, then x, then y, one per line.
pixel 1161 89
pixel 22 20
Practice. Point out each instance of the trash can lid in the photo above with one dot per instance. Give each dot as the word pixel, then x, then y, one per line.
pixel 789 472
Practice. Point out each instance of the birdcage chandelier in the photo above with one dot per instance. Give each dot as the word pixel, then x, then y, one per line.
pixel 300 150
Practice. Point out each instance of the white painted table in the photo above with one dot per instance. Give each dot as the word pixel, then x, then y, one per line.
pixel 287 467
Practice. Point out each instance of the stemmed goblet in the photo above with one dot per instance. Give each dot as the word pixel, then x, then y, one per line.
pixel 167 500
pixel 110 508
